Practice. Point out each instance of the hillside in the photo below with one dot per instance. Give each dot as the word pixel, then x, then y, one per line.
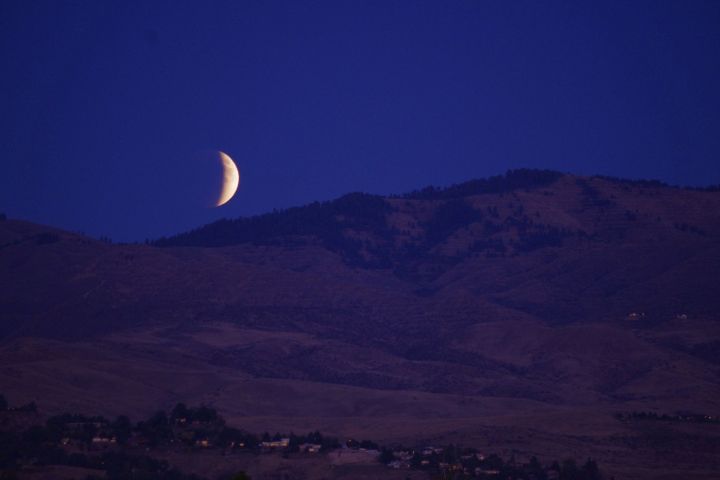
pixel 490 309
pixel 616 235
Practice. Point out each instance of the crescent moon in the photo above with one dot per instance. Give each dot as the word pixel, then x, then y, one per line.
pixel 231 179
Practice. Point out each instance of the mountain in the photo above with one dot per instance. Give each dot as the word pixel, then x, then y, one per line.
pixel 520 311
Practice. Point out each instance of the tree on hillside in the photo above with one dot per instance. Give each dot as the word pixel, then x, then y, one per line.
pixel 179 411
pixel 122 429
pixel 535 469
pixel 590 471
pixel 156 429
pixel 386 456
pixel 3 402
pixel 569 470
pixel 449 217
pixel 205 414
pixel 28 407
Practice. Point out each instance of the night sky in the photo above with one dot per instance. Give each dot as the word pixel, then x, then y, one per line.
pixel 108 106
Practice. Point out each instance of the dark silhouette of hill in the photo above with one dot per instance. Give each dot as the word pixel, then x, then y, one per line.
pixel 326 220
pixel 358 211
pixel 506 220
pixel 557 247
pixel 530 292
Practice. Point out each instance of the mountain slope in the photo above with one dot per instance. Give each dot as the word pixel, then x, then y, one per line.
pixel 599 239
pixel 416 277
pixel 520 311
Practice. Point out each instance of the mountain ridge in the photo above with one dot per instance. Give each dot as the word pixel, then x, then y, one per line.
pixel 367 203
pixel 598 248
pixel 580 297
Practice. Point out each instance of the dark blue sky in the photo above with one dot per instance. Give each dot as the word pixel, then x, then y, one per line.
pixel 106 104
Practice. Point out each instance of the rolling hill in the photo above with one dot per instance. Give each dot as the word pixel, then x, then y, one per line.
pixel 519 311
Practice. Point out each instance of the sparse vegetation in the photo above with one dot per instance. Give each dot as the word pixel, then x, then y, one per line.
pixel 448 218
pixel 325 221
pixel 446 226
pixel 512 180
pixel 634 182
pixel 665 417
pixel 118 450
pixel 592 196
pixel 47 238
pixel 460 463
pixel 684 227
pixel 356 227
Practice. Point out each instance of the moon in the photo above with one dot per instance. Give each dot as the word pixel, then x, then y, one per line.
pixel 231 179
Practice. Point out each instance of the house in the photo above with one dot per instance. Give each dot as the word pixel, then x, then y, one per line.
pixel 310 447
pixel 404 454
pixel 203 443
pixel 103 440
pixel 274 444
pixel 427 451
pixel 481 471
